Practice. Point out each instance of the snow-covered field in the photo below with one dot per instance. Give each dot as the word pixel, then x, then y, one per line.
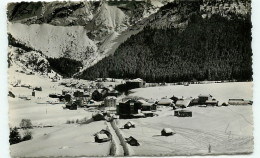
pixel 220 91
pixel 227 130
pixel 63 140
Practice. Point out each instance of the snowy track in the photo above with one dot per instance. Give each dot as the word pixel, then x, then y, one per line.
pixel 119 147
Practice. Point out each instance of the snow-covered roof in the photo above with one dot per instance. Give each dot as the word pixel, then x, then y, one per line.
pixel 165 101
pixel 142 101
pixel 102 136
pixel 205 95
pixel 150 101
pixel 110 88
pixel 147 104
pixel 167 130
pixel 182 102
pixel 135 80
pixel 110 97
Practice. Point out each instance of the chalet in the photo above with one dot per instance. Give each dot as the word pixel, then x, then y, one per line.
pixel 110 101
pixel 99 138
pixel 132 141
pixel 103 136
pixel 204 99
pixel 128 108
pixel 165 102
pixel 135 83
pixel 183 113
pixel 81 97
pixel 167 132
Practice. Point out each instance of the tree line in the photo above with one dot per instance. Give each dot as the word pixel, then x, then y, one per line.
pixel 208 49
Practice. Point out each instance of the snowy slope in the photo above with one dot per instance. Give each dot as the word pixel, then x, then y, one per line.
pixel 55 41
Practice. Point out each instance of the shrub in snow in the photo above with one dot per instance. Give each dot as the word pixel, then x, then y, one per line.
pixel 14 136
pixel 25 123
pixel 27 135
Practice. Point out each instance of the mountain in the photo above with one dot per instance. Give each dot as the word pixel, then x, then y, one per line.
pixel 184 41
pixel 84 31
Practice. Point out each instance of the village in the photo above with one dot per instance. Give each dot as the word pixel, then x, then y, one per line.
pixel 130 116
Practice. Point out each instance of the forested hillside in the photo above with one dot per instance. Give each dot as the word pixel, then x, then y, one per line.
pixel 215 48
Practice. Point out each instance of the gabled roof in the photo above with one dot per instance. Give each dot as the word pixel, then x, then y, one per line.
pixel 184 102
pixel 142 101
pixel 165 101
pixel 102 136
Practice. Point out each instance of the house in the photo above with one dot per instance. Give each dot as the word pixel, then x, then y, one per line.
pixel 81 96
pixel 165 102
pixel 167 132
pixel 128 108
pixel 110 101
pixel 135 83
pixel 132 141
pixel 204 99
pixel 183 103
pixel 103 136
pixel 183 113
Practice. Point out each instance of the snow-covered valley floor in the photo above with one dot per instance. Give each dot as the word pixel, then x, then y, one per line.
pixel 226 129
